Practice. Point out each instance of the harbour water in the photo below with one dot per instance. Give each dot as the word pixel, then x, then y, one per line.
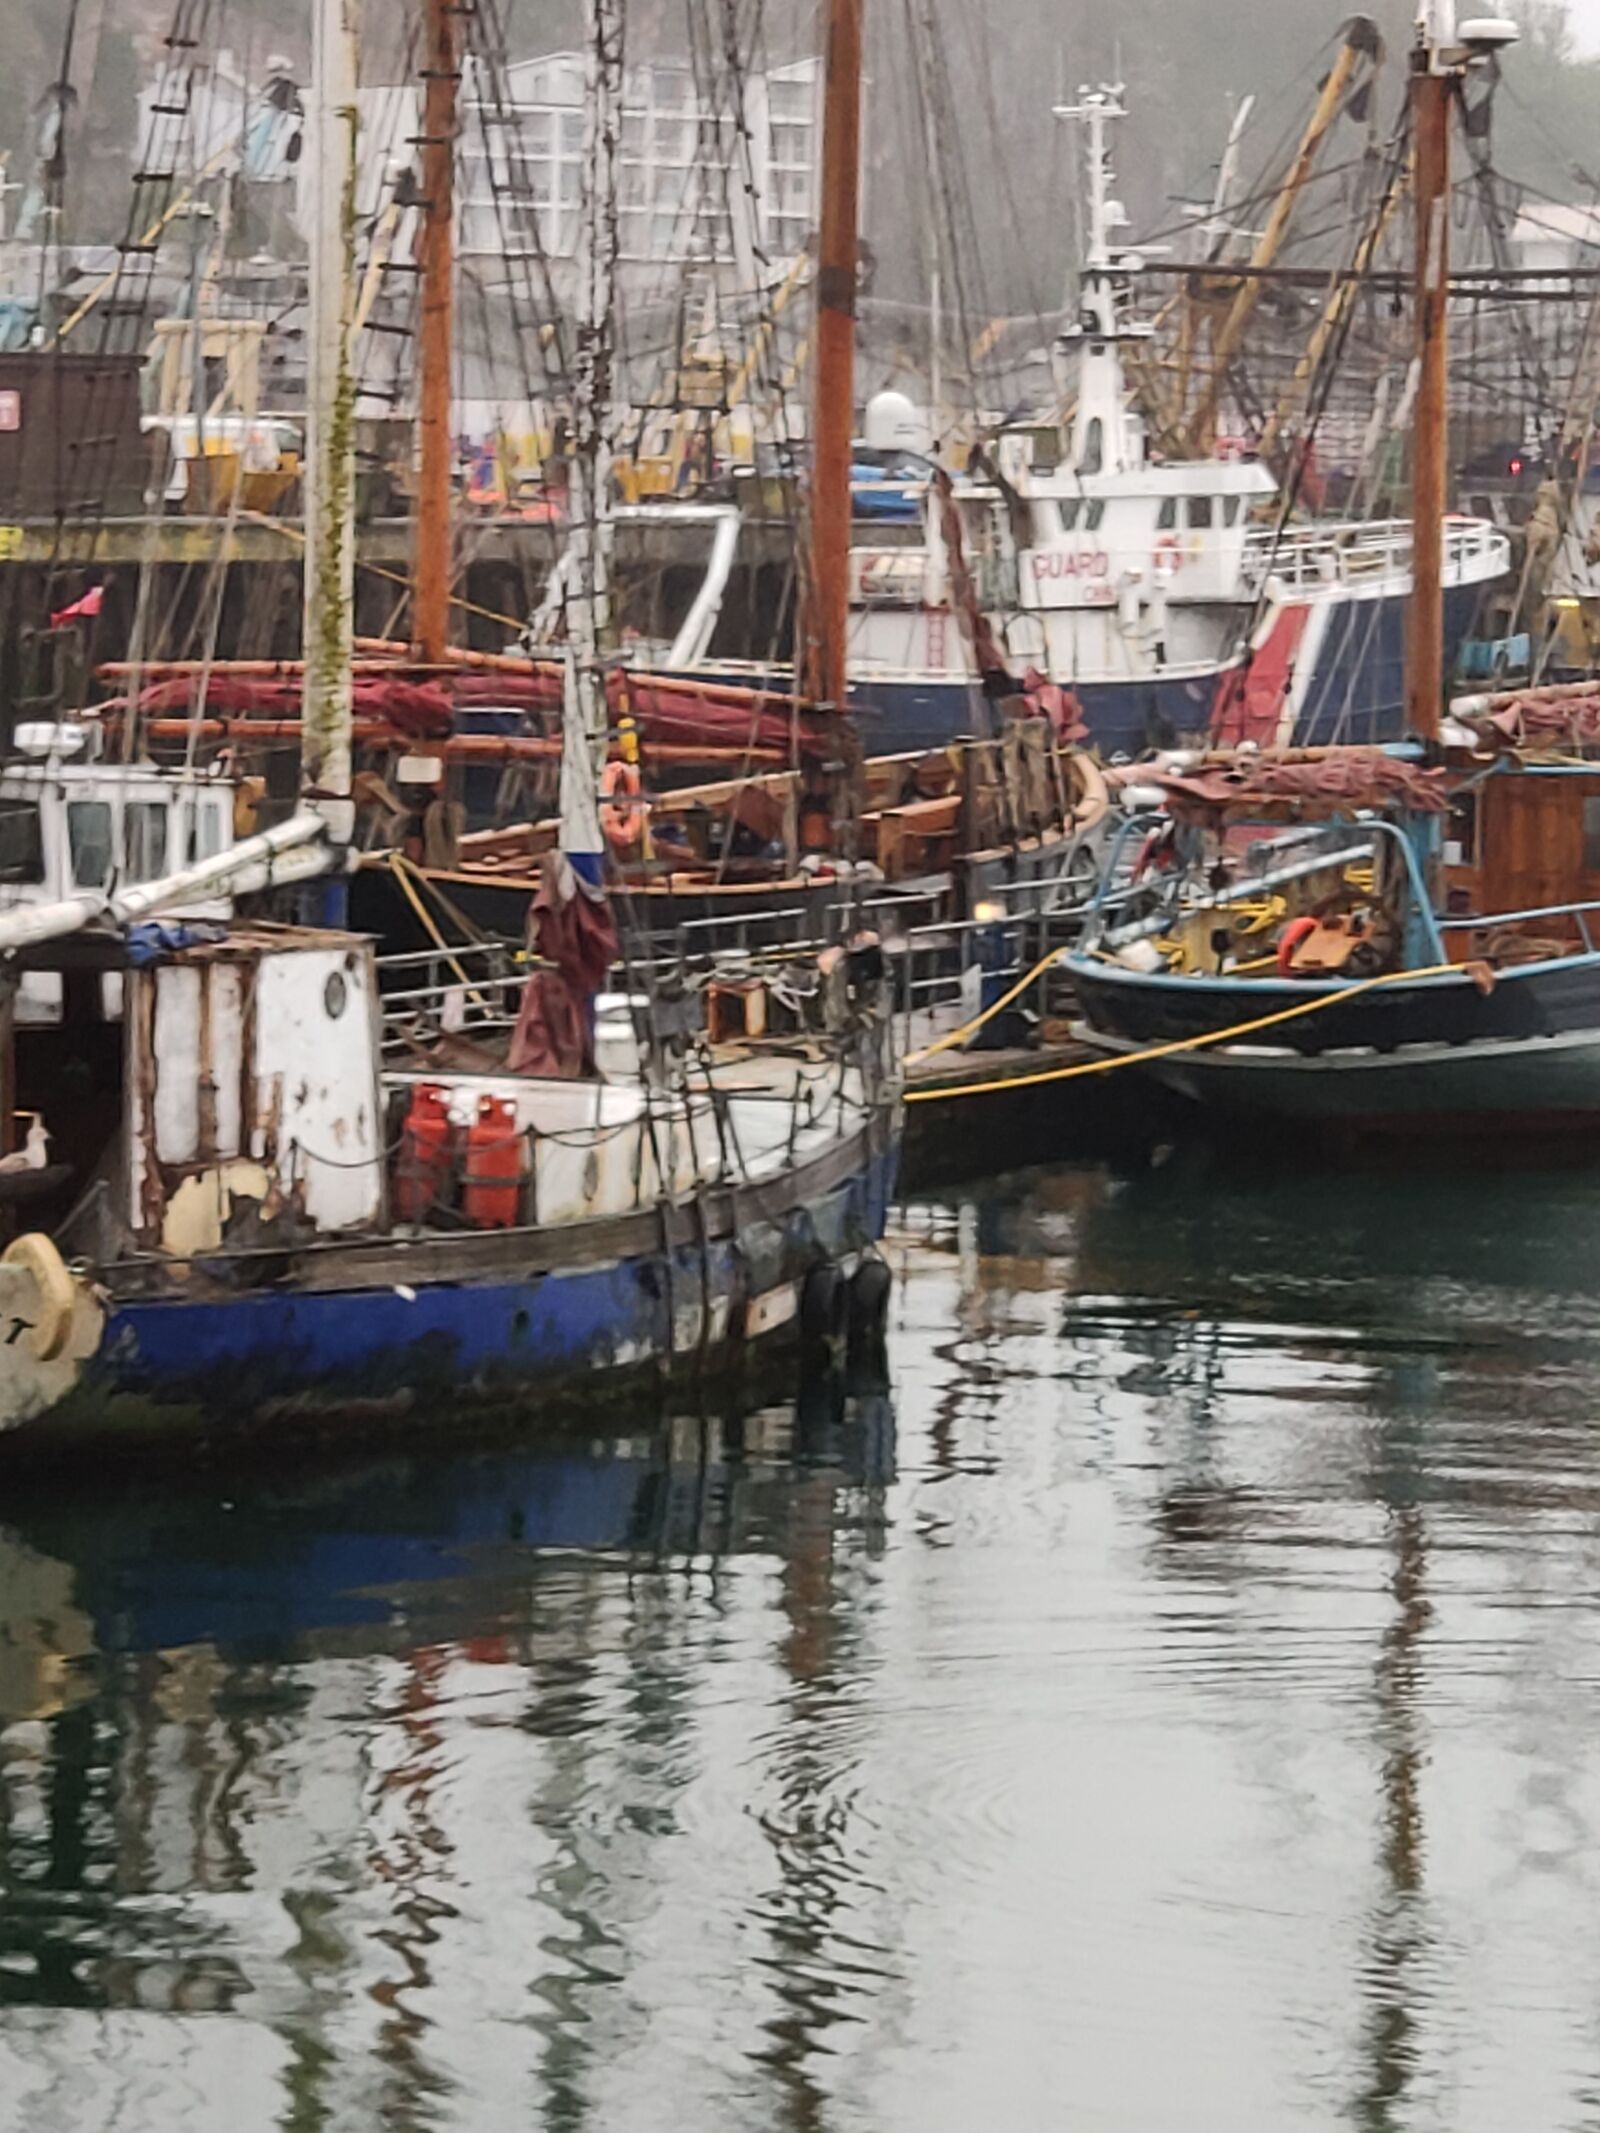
pixel 1170 1704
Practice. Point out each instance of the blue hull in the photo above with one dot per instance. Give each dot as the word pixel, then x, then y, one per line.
pixel 1356 694
pixel 288 1353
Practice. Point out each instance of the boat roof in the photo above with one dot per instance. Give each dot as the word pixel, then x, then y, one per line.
pixel 1332 782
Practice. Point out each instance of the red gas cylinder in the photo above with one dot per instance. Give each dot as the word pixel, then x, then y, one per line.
pixel 493 1175
pixel 427 1146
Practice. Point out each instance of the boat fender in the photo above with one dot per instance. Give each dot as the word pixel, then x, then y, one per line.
pixel 824 1316
pixel 36 1255
pixel 1095 798
pixel 1289 940
pixel 622 821
pixel 1158 852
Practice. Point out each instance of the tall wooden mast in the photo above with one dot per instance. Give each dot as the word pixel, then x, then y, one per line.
pixel 430 581
pixel 330 416
pixel 826 615
pixel 1440 58
pixel 1433 82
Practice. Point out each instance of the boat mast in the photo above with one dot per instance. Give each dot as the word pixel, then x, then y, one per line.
pixel 1440 57
pixel 588 559
pixel 827 581
pixel 1433 84
pixel 330 417
pixel 430 585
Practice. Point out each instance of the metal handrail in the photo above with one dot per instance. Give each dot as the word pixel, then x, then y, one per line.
pixel 1300 554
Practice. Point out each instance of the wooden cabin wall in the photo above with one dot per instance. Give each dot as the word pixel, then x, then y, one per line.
pixel 1534 845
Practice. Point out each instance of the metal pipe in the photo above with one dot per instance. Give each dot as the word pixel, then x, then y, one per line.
pixel 253 863
pixel 693 641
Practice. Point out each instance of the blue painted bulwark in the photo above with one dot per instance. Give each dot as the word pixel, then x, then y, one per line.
pixel 318 1344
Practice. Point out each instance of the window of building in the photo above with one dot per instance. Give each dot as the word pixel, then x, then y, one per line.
pixel 21 843
pixel 684 166
pixel 1167 516
pixel 1069 513
pixel 1094 512
pixel 1230 510
pixel 1199 514
pixel 89 831
pixel 1591 836
pixel 1094 447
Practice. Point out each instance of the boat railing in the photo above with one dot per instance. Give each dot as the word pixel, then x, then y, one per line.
pixel 720 939
pixel 1352 555
pixel 1481 921
pixel 1155 902
pixel 474 991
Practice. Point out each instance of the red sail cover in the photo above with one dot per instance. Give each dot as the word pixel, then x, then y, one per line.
pixel 570 928
pixel 665 709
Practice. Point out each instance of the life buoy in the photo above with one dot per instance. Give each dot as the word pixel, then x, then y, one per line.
pixel 1289 940
pixel 621 819
pixel 37 1256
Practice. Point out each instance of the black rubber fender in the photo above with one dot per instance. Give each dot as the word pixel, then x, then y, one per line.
pixel 824 1315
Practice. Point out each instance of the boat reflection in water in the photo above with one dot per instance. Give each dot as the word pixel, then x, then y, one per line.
pixel 258 1740
pixel 1195 1669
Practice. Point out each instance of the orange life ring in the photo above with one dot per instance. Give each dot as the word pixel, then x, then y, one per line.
pixel 623 823
pixel 1289 940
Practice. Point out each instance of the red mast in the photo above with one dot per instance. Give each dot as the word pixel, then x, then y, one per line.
pixel 826 613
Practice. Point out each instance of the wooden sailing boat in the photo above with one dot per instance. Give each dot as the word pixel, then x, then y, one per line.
pixel 1348 936
pixel 274 1205
pixel 958 822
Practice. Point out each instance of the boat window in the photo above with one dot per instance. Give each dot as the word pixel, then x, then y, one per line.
pixel 1093 447
pixel 89 836
pixel 1167 516
pixel 145 835
pixel 202 826
pixel 1069 513
pixel 1230 510
pixel 1094 512
pixel 1200 514
pixel 1591 836
pixel 21 842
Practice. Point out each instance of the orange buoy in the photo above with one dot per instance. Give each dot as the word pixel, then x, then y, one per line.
pixel 621 809
pixel 1297 930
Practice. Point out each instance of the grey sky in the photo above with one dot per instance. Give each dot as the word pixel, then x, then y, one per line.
pixel 1585 16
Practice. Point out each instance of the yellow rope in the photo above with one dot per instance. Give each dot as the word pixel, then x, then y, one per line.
pixel 1180 1044
pixel 399 866
pixel 955 1036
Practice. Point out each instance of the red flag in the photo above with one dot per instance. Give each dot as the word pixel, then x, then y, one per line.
pixel 83 610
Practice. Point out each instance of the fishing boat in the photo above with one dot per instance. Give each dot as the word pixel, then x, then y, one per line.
pixel 1174 598
pixel 1386 940
pixel 272 1188
pixel 1297 960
